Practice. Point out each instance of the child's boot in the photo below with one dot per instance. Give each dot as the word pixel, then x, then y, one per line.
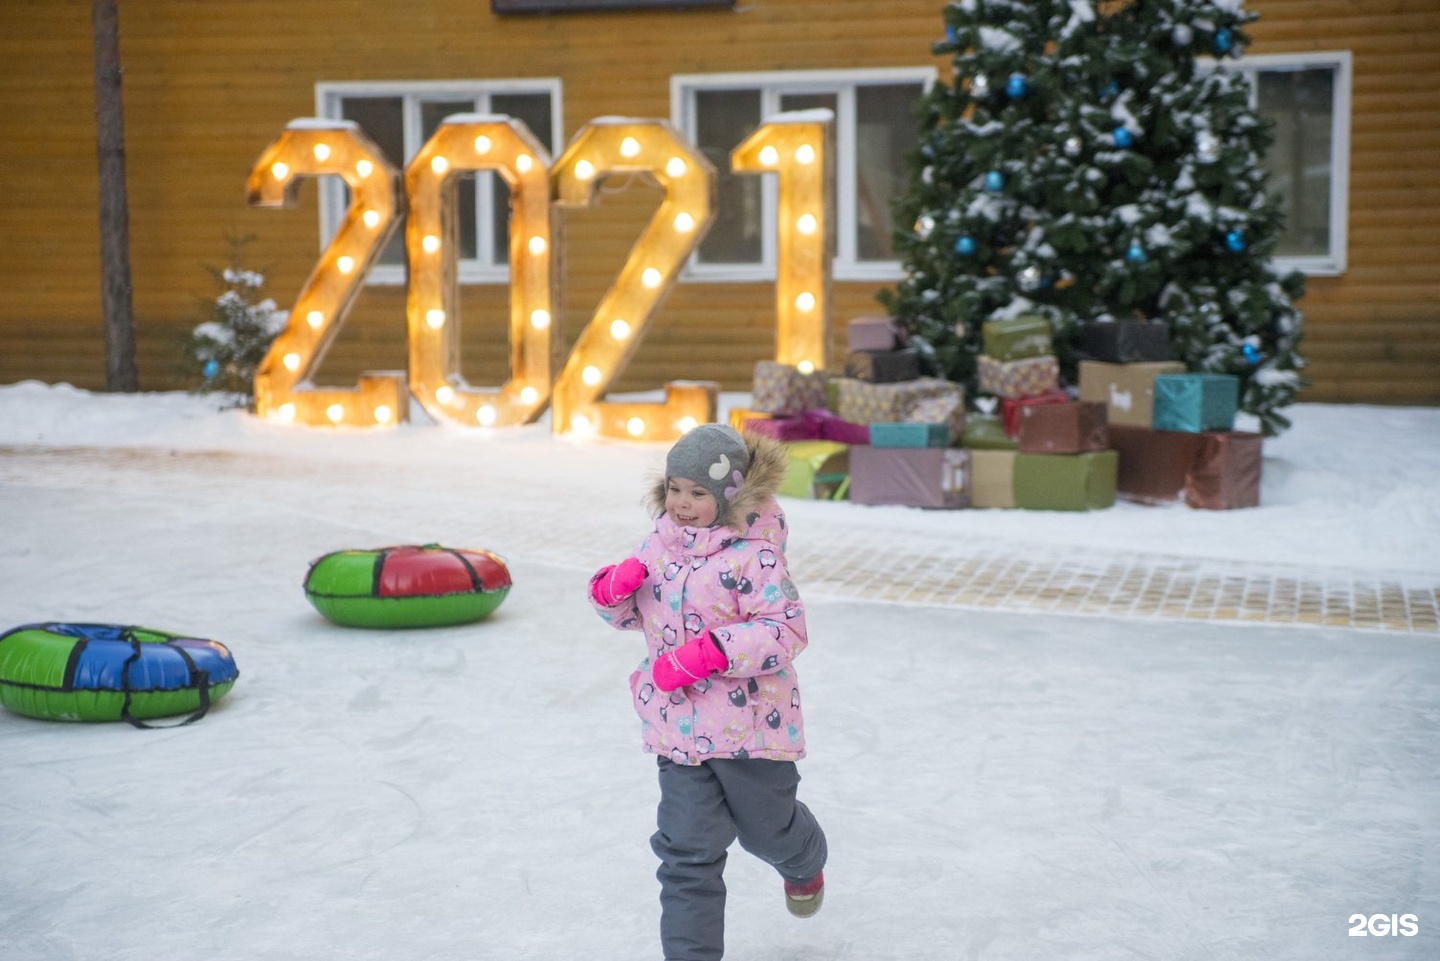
pixel 805 898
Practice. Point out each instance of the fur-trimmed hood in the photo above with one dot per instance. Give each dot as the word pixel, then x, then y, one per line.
pixel 768 462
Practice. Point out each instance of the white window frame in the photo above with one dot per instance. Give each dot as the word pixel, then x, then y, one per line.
pixel 839 83
pixel 490 266
pixel 1334 263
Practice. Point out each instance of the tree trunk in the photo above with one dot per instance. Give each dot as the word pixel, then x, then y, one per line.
pixel 116 301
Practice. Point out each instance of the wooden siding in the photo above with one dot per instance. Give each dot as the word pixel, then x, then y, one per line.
pixel 208 84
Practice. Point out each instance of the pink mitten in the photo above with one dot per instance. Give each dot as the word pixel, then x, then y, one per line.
pixel 689 663
pixel 615 582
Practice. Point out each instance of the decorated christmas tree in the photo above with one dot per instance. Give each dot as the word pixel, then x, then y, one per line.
pixel 237 333
pixel 1093 163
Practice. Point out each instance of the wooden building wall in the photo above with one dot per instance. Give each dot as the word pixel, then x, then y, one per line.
pixel 207 85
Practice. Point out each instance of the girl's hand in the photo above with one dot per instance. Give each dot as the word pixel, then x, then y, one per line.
pixel 690 663
pixel 613 583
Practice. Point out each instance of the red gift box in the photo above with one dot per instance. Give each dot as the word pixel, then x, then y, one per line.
pixel 1010 408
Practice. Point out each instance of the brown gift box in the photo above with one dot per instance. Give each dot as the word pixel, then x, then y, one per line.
pixel 1226 474
pixel 1126 390
pixel 1070 428
pixel 782 389
pixel 992 478
pixel 1153 463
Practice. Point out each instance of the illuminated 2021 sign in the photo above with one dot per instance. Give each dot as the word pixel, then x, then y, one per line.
pixel 791 146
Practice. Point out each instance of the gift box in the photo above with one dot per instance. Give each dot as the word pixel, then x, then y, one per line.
pixel 874 333
pixel 1066 482
pixel 1025 336
pixel 947 410
pixel 830 426
pixel 1123 341
pixel 861 402
pixel 784 428
pixel 910 476
pixel 783 389
pixel 1011 407
pixel 739 415
pixel 1226 472
pixel 992 478
pixel 1070 428
pixel 817 469
pixel 986 432
pixel 883 366
pixel 1196 402
pixel 1153 463
pixel 910 434
pixel 1018 378
pixel 1126 390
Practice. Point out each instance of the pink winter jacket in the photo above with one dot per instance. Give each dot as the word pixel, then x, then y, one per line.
pixel 730 579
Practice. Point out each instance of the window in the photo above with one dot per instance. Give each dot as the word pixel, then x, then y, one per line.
pixel 1307 96
pixel 874 129
pixel 400 118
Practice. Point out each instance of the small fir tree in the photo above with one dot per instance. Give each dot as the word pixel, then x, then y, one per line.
pixel 232 342
pixel 1086 165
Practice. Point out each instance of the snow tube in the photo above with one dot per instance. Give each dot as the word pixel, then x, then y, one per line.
pixel 426 586
pixel 109 672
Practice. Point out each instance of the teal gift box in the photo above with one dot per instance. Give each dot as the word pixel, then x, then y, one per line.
pixel 1196 402
pixel 909 435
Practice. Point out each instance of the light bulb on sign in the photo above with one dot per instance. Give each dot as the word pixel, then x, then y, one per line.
pixel 364 168
pixel 537 245
pixel 482 144
pixel 805 302
pixel 584 169
pixel 280 170
pixel 539 319
pixel 676 167
pixel 591 375
pixel 805 367
pixel 684 222
pixel 435 317
pixel 580 424
pixel 769 156
pixel 529 395
pixel 286 413
pixel 805 154
pixel 629 147
pixel 806 224
pixel 383 414
pixel 651 278
pixel 439 165
pixel 430 243
pixel 445 393
pixel 292 361
pixel 315 319
pixel 372 219
pixel 485 416
pixel 336 413
pixel 524 162
pixel 635 426
pixel 322 152
pixel 345 264
pixel 619 329
pixel 686 424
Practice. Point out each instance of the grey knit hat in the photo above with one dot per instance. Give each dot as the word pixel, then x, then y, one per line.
pixel 713 456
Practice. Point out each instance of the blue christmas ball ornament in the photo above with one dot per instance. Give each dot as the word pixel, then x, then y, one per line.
pixel 1136 254
pixel 1123 137
pixel 1016 85
pixel 1224 40
pixel 949 33
pixel 1251 354
pixel 965 246
pixel 994 181
pixel 1235 240
pixel 1111 89
pixel 212 367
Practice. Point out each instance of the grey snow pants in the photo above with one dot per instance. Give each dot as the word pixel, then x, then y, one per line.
pixel 702 810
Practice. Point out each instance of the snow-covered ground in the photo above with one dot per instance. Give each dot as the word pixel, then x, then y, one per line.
pixel 994 785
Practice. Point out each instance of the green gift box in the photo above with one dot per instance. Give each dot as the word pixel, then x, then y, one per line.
pixel 1066 482
pixel 818 469
pixel 987 432
pixel 1017 337
pixel 1196 402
